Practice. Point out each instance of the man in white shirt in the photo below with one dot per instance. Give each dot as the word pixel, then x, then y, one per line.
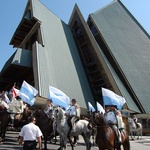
pixel 3 103
pixel 74 113
pixel 49 107
pixel 16 107
pixel 114 118
pixel 29 134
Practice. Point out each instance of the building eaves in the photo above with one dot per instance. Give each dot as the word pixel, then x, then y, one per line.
pixel 17 68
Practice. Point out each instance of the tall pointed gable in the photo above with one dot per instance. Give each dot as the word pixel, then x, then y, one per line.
pixel 125 44
pixel 27 29
pixel 98 69
pixel 55 57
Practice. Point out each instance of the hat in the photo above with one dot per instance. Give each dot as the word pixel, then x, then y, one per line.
pixel 73 100
pixel 50 100
pixel 17 97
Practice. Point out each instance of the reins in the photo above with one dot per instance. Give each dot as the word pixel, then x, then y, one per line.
pixel 98 126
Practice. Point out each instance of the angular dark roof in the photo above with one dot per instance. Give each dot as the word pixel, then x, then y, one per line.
pixel 17 68
pixel 128 44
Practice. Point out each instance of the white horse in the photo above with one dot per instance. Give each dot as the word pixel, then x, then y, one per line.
pixel 133 128
pixel 81 128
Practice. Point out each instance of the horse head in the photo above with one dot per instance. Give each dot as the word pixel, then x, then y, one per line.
pixel 59 113
pixel 98 119
pixel 131 122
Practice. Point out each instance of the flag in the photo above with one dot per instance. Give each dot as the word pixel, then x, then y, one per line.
pixel 91 108
pixel 7 99
pixel 27 93
pixel 110 98
pixel 58 97
pixel 100 108
pixel 14 91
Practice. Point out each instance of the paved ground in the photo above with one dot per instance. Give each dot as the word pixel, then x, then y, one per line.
pixel 11 143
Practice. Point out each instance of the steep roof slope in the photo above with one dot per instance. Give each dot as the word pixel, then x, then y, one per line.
pixel 128 45
pixel 57 62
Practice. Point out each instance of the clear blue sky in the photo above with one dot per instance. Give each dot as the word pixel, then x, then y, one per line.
pixel 11 12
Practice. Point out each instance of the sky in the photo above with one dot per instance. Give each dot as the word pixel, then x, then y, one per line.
pixel 11 12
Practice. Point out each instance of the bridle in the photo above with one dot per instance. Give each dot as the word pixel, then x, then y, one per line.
pixel 94 124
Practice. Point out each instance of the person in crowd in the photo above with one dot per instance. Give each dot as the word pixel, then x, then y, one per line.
pixel 3 102
pixel 135 119
pixel 49 107
pixel 114 118
pixel 30 134
pixel 17 106
pixel 74 113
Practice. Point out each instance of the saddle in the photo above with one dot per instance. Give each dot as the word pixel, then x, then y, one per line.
pixel 18 116
pixel 69 121
pixel 137 125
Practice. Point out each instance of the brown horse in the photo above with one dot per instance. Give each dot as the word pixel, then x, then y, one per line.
pixel 4 120
pixel 106 137
pixel 45 124
pixel 22 119
pixel 19 120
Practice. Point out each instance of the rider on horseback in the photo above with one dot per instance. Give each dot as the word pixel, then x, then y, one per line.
pixel 74 113
pixel 135 119
pixel 3 103
pixel 17 106
pixel 114 118
pixel 49 107
pixel 49 110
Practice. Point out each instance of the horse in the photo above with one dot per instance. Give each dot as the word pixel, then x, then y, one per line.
pixel 63 128
pixel 45 124
pixel 106 137
pixel 133 128
pixel 21 119
pixel 4 120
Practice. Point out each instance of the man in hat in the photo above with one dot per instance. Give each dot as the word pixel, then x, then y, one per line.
pixel 49 107
pixel 16 107
pixel 114 118
pixel 74 113
pixel 2 101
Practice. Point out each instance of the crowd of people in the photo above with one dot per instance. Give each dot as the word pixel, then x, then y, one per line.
pixel 30 133
pixel 13 104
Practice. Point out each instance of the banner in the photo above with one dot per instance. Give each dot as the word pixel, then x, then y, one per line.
pixel 14 91
pixel 58 97
pixel 7 99
pixel 110 98
pixel 91 108
pixel 27 93
pixel 100 108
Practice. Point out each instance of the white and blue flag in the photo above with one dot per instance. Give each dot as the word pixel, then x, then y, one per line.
pixel 58 97
pixel 7 99
pixel 110 98
pixel 27 93
pixel 91 108
pixel 100 108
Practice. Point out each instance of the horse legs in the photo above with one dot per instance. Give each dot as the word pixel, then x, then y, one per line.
pixel 3 132
pixel 63 142
pixel 87 141
pixel 71 143
pixel 45 142
pixel 132 135
pixel 126 145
